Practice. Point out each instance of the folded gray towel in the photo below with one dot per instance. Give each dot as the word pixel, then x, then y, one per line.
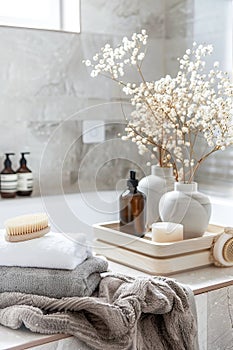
pixel 54 283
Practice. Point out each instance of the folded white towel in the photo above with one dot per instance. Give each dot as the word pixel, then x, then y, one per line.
pixel 53 251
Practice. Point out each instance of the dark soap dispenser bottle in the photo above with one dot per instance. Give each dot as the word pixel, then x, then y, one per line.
pixel 133 208
pixel 8 179
pixel 25 178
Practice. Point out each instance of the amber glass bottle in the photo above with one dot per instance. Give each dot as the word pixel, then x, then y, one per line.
pixel 25 178
pixel 133 208
pixel 8 179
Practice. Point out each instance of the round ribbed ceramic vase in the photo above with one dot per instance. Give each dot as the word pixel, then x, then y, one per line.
pixel 187 206
pixel 154 186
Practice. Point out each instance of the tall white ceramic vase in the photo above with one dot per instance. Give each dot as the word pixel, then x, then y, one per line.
pixel 154 186
pixel 186 205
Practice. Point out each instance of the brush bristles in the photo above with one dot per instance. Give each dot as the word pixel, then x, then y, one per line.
pixel 228 250
pixel 26 224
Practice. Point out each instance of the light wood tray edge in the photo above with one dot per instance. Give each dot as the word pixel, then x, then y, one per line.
pixel 153 265
pixel 103 232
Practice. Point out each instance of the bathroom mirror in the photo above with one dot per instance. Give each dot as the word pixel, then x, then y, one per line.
pixel 59 15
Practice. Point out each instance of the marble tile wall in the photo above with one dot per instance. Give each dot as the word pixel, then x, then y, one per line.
pixel 220 319
pixel 202 318
pixel 215 319
pixel 46 91
pixel 213 24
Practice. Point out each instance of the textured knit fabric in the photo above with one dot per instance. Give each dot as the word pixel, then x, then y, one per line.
pixel 52 251
pixel 80 282
pixel 127 314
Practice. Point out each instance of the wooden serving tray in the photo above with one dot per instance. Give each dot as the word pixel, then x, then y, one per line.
pixel 152 257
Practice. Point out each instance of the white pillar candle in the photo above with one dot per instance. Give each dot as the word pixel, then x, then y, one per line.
pixel 164 232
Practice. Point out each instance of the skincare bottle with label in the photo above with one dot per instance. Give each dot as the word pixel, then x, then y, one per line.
pixel 25 178
pixel 8 179
pixel 133 208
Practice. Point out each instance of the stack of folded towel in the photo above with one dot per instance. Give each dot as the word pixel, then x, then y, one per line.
pixel 44 279
pixel 53 265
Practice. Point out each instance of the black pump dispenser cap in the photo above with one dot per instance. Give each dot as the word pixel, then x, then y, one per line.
pixel 23 160
pixel 7 162
pixel 132 182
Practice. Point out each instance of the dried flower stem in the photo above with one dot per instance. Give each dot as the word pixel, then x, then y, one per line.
pixel 201 160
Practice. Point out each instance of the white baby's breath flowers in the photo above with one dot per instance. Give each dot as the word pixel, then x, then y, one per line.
pixel 171 114
pixel 112 60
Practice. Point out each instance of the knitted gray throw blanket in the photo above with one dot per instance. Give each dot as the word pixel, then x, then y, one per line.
pixel 151 313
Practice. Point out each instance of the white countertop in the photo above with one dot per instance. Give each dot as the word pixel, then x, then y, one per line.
pixel 10 338
pixel 77 213
pixel 199 280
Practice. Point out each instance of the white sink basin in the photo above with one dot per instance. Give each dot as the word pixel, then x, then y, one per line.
pixel 77 212
pixel 68 213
